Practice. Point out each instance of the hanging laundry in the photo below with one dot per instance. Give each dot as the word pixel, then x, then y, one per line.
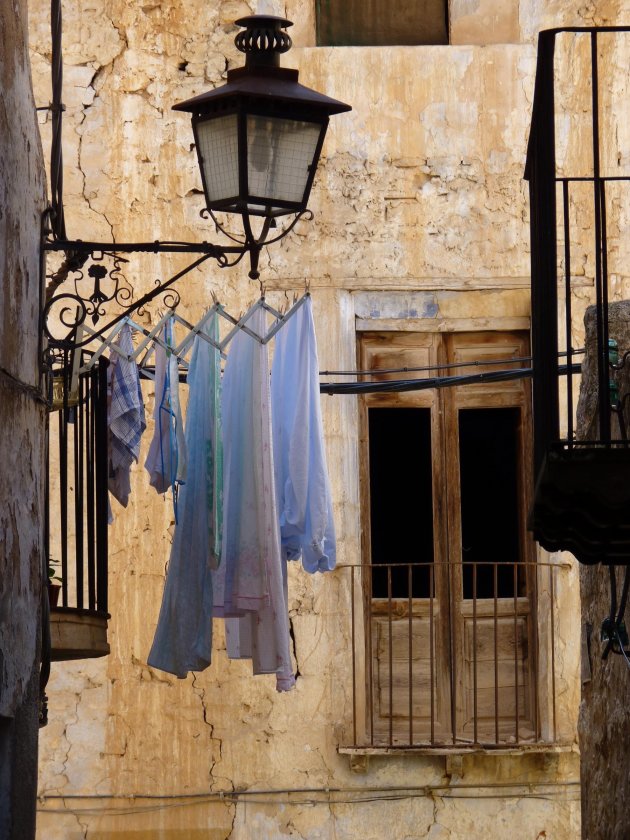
pixel 167 460
pixel 183 638
pixel 249 584
pixel 302 486
pixel 126 417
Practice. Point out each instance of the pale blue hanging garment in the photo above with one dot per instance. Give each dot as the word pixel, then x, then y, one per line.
pixel 183 638
pixel 249 585
pixel 304 501
pixel 167 458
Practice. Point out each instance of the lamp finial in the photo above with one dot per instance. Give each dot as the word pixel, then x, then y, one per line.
pixel 263 40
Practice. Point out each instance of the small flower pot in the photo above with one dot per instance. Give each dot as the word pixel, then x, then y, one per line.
pixel 53 594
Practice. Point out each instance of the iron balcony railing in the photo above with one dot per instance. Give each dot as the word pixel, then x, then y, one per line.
pixel 579 187
pixel 578 191
pixel 454 654
pixel 77 508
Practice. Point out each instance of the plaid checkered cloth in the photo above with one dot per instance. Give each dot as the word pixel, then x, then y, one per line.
pixel 126 418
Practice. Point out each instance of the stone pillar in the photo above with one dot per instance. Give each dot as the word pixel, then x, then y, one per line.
pixel 603 728
pixel 22 419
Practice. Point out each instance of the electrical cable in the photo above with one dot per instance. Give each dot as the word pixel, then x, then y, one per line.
pixel 476 363
pixel 323 796
pixel 612 624
pixel 609 624
pixel 622 609
pixel 621 647
pixel 624 596
pixel 378 371
pixel 613 592
pixel 404 385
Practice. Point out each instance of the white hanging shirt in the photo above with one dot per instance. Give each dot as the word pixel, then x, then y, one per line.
pixel 249 582
pixel 302 486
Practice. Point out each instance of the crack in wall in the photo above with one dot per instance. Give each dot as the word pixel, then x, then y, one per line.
pixel 231 831
pixel 66 758
pixel 217 745
pixel 83 826
pixel 294 649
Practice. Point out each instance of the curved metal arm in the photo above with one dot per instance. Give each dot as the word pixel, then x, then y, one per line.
pixel 74 307
pixel 81 311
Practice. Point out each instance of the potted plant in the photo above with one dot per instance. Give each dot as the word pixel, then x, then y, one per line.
pixel 54 582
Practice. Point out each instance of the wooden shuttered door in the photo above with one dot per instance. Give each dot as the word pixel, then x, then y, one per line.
pixel 449 580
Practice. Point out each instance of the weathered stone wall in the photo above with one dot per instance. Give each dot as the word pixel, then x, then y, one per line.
pixel 22 418
pixel 420 191
pixel 603 723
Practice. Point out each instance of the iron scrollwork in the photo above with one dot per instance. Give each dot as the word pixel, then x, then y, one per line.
pixel 65 311
pixel 103 283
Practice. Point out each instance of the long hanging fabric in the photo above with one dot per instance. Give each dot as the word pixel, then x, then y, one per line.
pixel 302 486
pixel 167 460
pixel 183 638
pixel 249 586
pixel 126 417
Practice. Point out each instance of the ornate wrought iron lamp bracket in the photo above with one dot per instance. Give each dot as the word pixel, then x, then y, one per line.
pixel 75 294
pixel 256 110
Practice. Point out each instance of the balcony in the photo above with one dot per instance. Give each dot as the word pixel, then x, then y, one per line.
pixel 77 506
pixel 455 656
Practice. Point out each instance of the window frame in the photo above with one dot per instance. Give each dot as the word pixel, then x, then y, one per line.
pixel 448 713
pixel 325 28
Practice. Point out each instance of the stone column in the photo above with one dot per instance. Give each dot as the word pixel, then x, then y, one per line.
pixel 603 728
pixel 22 423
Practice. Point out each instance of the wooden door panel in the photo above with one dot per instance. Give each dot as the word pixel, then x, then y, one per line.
pixel 428 688
pixel 497 676
pixel 436 662
pixel 511 638
pixel 478 348
pixel 391 350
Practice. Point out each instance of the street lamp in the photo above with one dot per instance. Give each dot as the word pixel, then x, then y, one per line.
pixel 258 141
pixel 259 136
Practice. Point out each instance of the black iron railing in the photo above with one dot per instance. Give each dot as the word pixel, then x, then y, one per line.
pixel 77 487
pixel 579 197
pixel 556 229
pixel 440 671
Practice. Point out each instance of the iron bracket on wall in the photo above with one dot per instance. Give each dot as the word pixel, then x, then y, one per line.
pixel 74 293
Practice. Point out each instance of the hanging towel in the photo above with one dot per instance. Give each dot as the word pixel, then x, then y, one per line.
pixel 249 583
pixel 178 439
pixel 167 459
pixel 183 638
pixel 302 486
pixel 126 418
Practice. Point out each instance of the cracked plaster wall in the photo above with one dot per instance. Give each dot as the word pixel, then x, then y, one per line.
pixel 22 417
pixel 420 191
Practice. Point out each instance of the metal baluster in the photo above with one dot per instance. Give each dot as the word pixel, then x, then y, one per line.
pixel 431 657
pixel 475 731
pixel 89 451
pixel 354 665
pixel 102 505
pixel 515 585
pixel 496 653
pixel 410 649
pixel 390 652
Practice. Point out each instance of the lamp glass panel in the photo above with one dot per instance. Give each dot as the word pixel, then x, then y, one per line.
pixel 218 152
pixel 279 155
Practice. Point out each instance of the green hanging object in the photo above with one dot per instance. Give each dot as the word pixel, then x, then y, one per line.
pixel 613 390
pixel 613 351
